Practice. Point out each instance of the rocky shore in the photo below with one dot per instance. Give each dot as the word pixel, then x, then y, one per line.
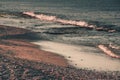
pixel 22 60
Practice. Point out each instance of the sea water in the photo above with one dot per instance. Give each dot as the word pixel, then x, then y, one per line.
pixel 99 13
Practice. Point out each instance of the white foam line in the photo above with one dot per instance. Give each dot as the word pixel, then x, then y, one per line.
pixel 82 56
pixel 108 51
pixel 55 19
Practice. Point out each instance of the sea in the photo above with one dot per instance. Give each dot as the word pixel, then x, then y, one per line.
pixel 70 39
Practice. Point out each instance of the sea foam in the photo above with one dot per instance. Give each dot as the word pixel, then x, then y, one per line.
pixel 63 21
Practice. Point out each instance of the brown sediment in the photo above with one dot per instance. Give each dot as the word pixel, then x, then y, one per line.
pixel 107 51
pixel 26 50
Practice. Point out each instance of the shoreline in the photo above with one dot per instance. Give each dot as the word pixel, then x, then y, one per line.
pixel 81 56
pixel 24 49
pixel 54 56
pixel 24 67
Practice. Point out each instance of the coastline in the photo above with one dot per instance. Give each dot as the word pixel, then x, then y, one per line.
pixel 44 51
pixel 59 40
pixel 24 65
pixel 22 48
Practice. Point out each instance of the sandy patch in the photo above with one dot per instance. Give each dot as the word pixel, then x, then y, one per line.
pixel 28 51
pixel 82 56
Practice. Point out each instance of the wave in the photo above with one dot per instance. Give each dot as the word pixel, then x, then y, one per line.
pixel 69 22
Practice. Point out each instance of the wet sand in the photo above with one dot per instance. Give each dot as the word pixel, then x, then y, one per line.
pixel 82 56
pixel 22 48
